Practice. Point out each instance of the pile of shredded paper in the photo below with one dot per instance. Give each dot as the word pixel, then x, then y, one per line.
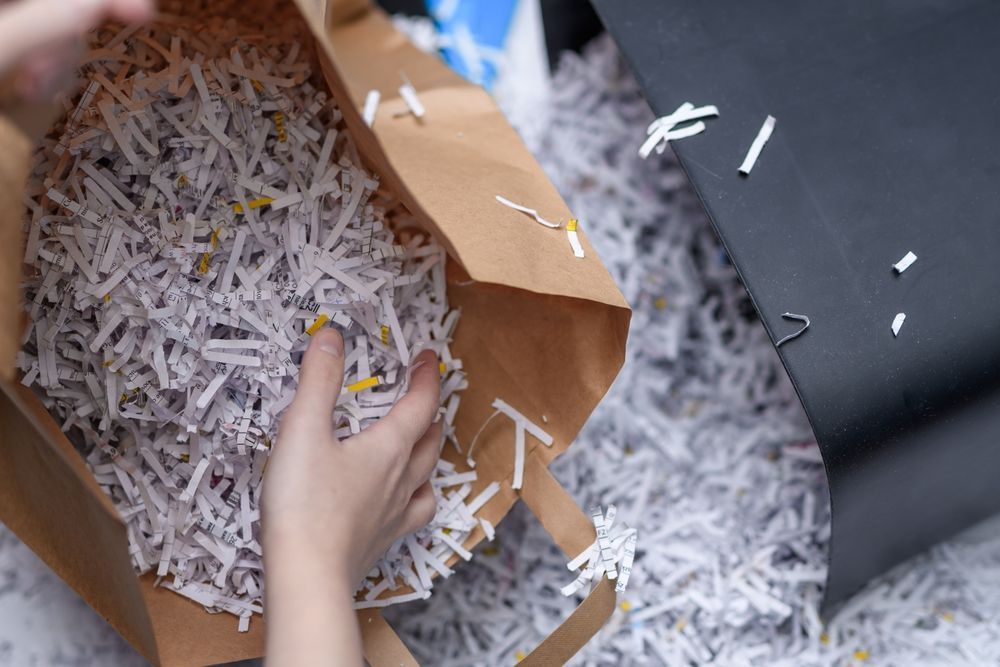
pixel 701 445
pixel 200 214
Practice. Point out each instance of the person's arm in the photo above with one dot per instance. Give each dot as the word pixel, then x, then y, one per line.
pixel 40 37
pixel 331 507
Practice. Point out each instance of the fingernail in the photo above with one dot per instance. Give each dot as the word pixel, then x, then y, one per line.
pixel 331 343
pixel 427 356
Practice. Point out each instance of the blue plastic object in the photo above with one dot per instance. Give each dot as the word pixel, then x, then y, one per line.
pixel 475 32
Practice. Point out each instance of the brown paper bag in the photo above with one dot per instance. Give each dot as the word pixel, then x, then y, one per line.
pixel 539 328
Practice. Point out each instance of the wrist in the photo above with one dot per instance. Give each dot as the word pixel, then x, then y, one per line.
pixel 308 607
pixel 291 555
pixel 300 585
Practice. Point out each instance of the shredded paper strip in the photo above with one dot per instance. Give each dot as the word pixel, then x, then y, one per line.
pixel 199 215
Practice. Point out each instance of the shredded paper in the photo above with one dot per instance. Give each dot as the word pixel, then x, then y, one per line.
pixel 700 442
pixel 201 213
pixel 897 323
pixel 904 263
pixel 571 227
pixel 701 445
pixel 800 318
pixel 664 129
pixel 757 146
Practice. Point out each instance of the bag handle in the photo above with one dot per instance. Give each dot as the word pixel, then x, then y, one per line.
pixel 573 532
pixel 380 644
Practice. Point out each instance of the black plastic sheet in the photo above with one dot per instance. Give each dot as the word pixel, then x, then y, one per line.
pixel 887 141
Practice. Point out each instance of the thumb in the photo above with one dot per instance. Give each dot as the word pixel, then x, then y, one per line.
pixel 321 376
pixel 28 25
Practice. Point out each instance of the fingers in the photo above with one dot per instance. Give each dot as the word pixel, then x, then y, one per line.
pixel 133 11
pixel 47 71
pixel 320 377
pixel 413 413
pixel 425 455
pixel 32 24
pixel 419 511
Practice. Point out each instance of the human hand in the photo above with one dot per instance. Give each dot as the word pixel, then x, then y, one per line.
pixel 347 501
pixel 41 36
pixel 330 508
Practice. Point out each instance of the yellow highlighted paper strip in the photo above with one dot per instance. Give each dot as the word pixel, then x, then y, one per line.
pixel 279 126
pixel 253 203
pixel 361 385
pixel 214 240
pixel 318 324
pixel 442 368
pixel 571 225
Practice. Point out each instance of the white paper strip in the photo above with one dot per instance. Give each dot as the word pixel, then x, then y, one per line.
pixel 897 323
pixel 758 145
pixel 627 561
pixel 409 95
pixel 805 325
pixel 206 221
pixel 574 238
pixel 530 211
pixel 371 107
pixel 518 457
pixel 903 264
pixel 661 131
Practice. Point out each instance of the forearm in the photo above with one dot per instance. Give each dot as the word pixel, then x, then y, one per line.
pixel 310 618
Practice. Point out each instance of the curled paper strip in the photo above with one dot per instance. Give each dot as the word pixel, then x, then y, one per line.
pixel 661 131
pixel 530 211
pixel 805 325
pixel 522 425
pixel 571 226
pixel 612 554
